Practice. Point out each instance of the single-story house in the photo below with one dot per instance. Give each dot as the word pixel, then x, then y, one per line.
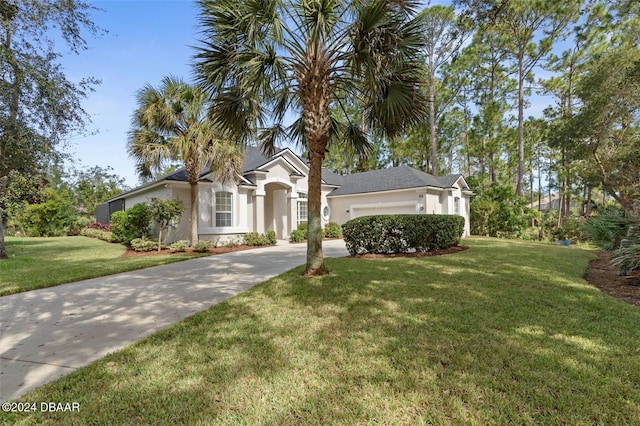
pixel 271 194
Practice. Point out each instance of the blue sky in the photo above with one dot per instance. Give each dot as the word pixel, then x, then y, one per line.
pixel 146 40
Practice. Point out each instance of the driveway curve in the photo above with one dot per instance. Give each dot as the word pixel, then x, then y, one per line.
pixel 48 333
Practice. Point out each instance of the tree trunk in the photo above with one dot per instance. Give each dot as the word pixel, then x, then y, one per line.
pixel 3 227
pixel 160 240
pixel 315 259
pixel 432 124
pixel 531 199
pixel 521 76
pixel 194 212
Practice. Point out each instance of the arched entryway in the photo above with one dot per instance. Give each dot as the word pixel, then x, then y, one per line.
pixel 277 209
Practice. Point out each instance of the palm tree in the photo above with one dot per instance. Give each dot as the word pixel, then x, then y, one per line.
pixel 171 124
pixel 261 60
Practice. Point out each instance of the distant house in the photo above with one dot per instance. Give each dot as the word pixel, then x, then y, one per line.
pixel 271 194
pixel 550 202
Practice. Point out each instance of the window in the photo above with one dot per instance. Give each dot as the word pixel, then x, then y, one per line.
pixel 224 209
pixel 456 205
pixel 303 209
pixel 326 212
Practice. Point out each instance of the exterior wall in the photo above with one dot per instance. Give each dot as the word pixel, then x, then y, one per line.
pixel 206 210
pixel 433 203
pixel 183 231
pixel 410 201
pixel 276 211
pixel 344 208
pixel 162 191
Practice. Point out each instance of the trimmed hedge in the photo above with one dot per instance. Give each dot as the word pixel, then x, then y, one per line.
pixel 143 244
pixel 402 233
pixel 97 233
pixel 255 239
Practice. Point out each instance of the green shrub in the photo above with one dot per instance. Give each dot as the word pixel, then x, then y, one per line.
pixel 143 244
pixel 332 230
pixel 118 226
pixel 302 233
pixel 255 239
pixel 202 246
pixel 272 238
pixel 80 223
pixel 608 228
pixel 497 211
pixel 97 233
pixel 54 217
pixel 130 224
pixel 298 236
pixel 627 257
pixel 402 233
pixel 179 246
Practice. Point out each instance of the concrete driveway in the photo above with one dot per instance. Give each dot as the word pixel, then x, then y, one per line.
pixel 45 334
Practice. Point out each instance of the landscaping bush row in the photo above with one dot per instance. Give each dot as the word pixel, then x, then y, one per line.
pixel 402 233
pixel 330 230
pixel 255 239
pixel 98 233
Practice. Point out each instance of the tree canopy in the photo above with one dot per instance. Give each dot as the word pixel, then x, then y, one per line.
pixel 39 105
pixel 262 60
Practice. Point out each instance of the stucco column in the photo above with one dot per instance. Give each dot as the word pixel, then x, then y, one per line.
pixel 292 205
pixel 258 212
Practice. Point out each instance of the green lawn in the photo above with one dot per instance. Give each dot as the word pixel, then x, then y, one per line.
pixel 507 332
pixel 45 262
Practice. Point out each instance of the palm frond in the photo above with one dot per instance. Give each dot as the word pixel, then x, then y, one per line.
pixel 272 137
pixel 396 103
pixel 237 113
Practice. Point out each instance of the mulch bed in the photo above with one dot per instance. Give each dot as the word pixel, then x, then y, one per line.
pixel 604 276
pixel 449 250
pixel 163 252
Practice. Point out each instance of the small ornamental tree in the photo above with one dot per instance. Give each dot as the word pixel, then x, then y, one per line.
pixel 166 214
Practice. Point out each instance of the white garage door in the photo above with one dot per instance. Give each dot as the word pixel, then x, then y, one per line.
pixel 375 210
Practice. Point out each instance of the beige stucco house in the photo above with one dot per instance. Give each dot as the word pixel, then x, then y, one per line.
pixel 271 194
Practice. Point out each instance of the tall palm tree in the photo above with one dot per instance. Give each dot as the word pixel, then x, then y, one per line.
pixel 263 59
pixel 171 124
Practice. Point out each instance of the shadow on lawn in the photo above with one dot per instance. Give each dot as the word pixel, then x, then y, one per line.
pixel 466 338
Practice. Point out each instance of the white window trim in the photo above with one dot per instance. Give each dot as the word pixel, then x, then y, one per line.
pixel 302 199
pixel 229 212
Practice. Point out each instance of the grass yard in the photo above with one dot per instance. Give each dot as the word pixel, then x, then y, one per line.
pixel 507 332
pixel 45 262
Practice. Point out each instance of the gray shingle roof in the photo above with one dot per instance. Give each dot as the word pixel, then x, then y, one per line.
pixel 402 177
pixel 331 178
pixel 254 158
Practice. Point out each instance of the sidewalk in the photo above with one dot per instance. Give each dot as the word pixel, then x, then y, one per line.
pixel 48 333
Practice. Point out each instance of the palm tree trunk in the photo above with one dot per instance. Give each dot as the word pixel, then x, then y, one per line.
pixel 315 259
pixel 193 186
